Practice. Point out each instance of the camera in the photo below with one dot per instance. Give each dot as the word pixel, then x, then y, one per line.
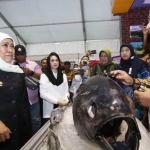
pixel 85 62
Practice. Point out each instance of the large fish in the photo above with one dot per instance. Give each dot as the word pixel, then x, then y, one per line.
pixel 104 115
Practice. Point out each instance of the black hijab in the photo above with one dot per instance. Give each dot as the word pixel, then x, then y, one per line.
pixel 134 62
pixel 49 72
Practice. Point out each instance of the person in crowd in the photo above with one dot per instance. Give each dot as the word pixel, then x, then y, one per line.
pixel 141 87
pixel 32 69
pixel 131 63
pixel 43 64
pixel 105 66
pixel 85 65
pixel 80 74
pixel 15 125
pixel 76 81
pixel 69 73
pixel 53 86
pixel 75 66
pixel 136 68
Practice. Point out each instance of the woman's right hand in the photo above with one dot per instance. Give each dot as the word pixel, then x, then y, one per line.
pixel 4 132
pixel 62 103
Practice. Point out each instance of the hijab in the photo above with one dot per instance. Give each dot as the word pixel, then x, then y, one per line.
pixel 8 67
pixel 105 68
pixel 108 52
pixel 48 72
pixel 133 65
pixel 5 36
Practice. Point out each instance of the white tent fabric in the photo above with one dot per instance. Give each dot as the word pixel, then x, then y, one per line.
pixel 39 24
pixel 72 47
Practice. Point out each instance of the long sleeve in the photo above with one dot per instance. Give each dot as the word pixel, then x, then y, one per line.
pixel 138 82
pixel 45 90
pixel 144 73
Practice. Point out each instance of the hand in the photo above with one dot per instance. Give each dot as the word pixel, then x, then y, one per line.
pixel 74 71
pixel 4 132
pixel 145 31
pixel 148 27
pixel 27 71
pixel 143 97
pixel 122 76
pixel 62 103
pixel 88 53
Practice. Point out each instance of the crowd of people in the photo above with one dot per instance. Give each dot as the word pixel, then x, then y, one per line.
pixel 25 108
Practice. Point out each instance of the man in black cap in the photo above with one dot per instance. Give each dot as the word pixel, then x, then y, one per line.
pixel 68 72
pixel 32 69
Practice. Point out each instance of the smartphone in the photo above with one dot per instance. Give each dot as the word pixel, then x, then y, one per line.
pixel 93 51
pixel 80 71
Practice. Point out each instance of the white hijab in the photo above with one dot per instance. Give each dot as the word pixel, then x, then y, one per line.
pixel 7 66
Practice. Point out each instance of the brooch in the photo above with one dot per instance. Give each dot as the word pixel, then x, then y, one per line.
pixel 1 83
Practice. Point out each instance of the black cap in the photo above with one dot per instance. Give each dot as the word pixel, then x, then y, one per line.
pixel 20 49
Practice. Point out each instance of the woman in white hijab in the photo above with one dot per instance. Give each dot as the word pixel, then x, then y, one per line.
pixel 14 106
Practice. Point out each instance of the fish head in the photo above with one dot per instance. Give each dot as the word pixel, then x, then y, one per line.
pixel 102 112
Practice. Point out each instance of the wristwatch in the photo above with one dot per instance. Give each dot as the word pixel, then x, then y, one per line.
pixel 32 73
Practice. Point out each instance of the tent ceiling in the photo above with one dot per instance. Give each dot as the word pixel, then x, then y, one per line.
pixel 49 21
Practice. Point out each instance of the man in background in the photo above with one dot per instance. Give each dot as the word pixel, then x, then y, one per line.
pixel 30 68
pixel 69 73
pixel 43 64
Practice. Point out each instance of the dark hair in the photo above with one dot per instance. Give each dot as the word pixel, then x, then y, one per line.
pixel 75 64
pixel 49 72
pixel 43 59
pixel 85 56
pixel 67 63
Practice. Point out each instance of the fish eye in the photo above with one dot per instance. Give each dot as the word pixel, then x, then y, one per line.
pixel 92 111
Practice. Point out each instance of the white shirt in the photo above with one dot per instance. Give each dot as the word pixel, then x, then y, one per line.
pixel 52 93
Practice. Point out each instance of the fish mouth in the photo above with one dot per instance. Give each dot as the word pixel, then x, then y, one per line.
pixel 119 133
